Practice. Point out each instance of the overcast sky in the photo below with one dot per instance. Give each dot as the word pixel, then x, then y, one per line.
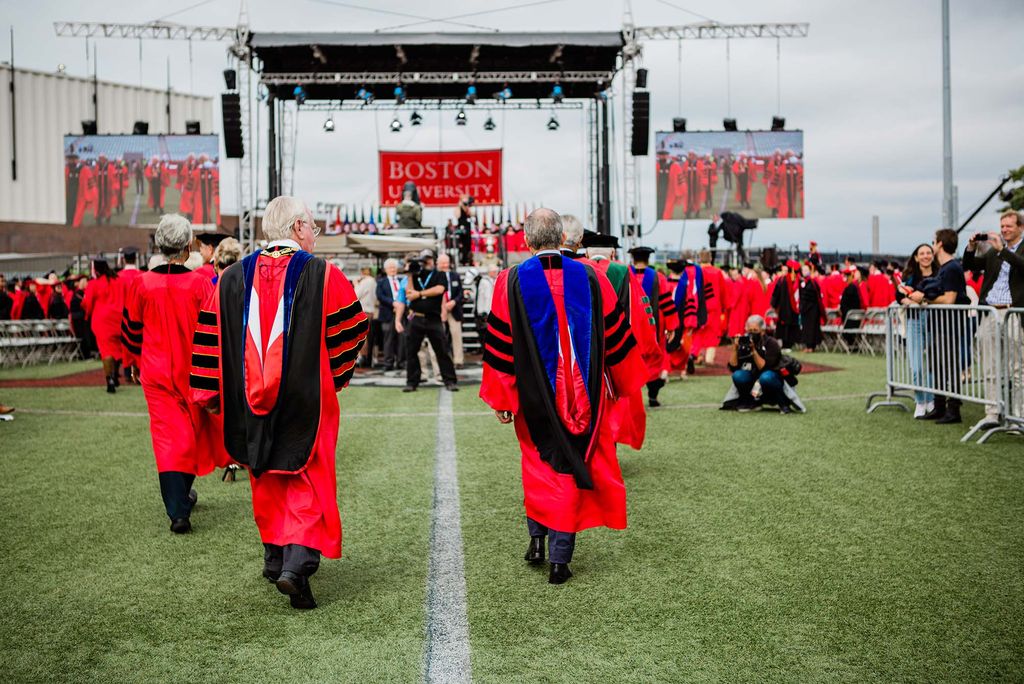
pixel 865 86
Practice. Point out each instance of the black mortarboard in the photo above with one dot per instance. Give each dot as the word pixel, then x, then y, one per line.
pixel 592 239
pixel 676 265
pixel 641 253
pixel 211 239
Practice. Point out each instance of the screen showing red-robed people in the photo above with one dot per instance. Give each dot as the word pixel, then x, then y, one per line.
pixel 442 178
pixel 758 174
pixel 132 180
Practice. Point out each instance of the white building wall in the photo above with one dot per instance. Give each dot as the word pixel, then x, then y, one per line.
pixel 50 106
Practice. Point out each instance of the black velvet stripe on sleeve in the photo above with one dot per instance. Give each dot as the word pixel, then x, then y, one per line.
pixel 499 325
pixel 612 319
pixel 498 363
pixel 126 320
pixel 134 336
pixel 202 339
pixel 342 380
pixel 342 336
pixel 619 355
pixel 204 361
pixel 201 382
pixel 616 336
pixel 132 348
pixel 344 313
pixel 499 345
pixel 343 358
pixel 207 318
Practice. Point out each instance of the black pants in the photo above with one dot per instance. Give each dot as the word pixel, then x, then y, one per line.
pixel 174 488
pixel 389 344
pixel 302 560
pixel 433 330
pixel 653 387
pixel 560 544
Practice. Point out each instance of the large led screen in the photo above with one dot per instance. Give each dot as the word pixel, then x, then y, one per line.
pixel 134 179
pixel 759 174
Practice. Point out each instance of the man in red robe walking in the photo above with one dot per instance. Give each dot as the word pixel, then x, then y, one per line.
pixel 275 343
pixel 666 320
pixel 573 350
pixel 708 336
pixel 160 314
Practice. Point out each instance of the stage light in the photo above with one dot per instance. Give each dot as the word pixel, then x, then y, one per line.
pixel 641 78
pixel 140 128
pixel 557 94
pixel 399 94
pixel 61 69
pixel 300 94
pixel 553 122
pixel 729 124
pixel 230 79
pixel 89 127
pixel 191 128
pixel 396 125
pixel 504 94
pixel 778 123
pixel 364 94
pixel 329 124
pixel 489 125
pixel 460 118
pixel 679 125
pixel 470 94
pixel 415 119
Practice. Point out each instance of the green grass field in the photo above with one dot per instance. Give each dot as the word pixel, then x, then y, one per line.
pixel 819 547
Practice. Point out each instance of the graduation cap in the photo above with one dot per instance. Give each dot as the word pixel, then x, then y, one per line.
pixel 211 239
pixel 641 253
pixel 676 265
pixel 592 239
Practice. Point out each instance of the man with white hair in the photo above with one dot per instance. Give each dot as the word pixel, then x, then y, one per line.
pixel 161 310
pixel 388 288
pixel 277 340
pixel 573 350
pixel 572 237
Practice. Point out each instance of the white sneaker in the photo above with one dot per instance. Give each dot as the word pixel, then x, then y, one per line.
pixel 920 410
pixel 929 407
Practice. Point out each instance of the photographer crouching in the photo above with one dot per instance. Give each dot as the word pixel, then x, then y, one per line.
pixel 756 366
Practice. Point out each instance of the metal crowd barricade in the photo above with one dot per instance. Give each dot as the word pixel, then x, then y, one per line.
pixel 937 350
pixel 1012 419
pixel 28 342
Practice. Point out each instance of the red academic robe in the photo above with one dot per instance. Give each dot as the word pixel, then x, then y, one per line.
pixel 294 507
pixel 881 291
pixel 205 190
pixel 106 179
pixel 740 306
pixel 159 178
pixel 104 306
pixel 85 196
pixel 675 194
pixel 207 271
pixel 553 499
pixel 128 278
pixel 739 168
pixel 627 414
pixel 708 178
pixel 710 334
pixel 160 315
pixel 186 185
pixel 693 174
pixel 832 287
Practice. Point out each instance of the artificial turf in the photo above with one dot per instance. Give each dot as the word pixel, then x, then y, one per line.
pixel 761 547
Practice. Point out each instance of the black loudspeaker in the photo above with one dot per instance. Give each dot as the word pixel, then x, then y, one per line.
pixel 231 109
pixel 641 123
pixel 88 128
pixel 192 128
pixel 641 78
pixel 778 123
pixel 230 79
pixel 678 125
pixel 769 257
pixel 729 124
pixel 140 128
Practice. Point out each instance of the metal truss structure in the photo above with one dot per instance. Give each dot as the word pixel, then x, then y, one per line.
pixel 157 29
pixel 434 105
pixel 368 78
pixel 719 31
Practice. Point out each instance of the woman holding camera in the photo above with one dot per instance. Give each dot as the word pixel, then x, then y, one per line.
pixel 910 294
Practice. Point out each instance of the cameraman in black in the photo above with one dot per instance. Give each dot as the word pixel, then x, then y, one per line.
pixel 464 231
pixel 756 360
pixel 424 291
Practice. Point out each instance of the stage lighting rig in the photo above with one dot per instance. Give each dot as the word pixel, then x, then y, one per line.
pixel 399 94
pixel 471 94
pixel 489 125
pixel 557 94
pixel 415 119
pixel 365 95
pixel 553 122
pixel 504 94
pixel 329 124
pixel 300 94
pixel 729 125
pixel 460 118
pixel 396 125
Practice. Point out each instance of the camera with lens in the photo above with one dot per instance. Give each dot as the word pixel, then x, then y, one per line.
pixel 470 200
pixel 980 237
pixel 413 266
pixel 744 346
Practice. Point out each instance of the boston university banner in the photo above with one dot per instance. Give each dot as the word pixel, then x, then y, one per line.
pixel 441 177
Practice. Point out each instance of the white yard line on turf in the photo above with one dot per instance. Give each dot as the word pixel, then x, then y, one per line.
pixel 446 650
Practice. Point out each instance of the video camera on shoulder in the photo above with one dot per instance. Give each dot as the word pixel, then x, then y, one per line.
pixel 413 266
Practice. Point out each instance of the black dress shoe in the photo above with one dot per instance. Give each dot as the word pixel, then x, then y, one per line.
pixel 934 414
pixel 409 388
pixel 303 600
pixel 560 573
pixel 111 385
pixel 950 418
pixel 690 370
pixel 653 403
pixel 181 526
pixel 535 551
pixel 297 588
pixel 271 575
pixel 451 387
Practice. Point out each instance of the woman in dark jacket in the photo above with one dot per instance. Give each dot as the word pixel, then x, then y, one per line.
pixel 812 308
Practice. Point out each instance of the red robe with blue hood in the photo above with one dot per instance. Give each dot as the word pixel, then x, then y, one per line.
pixel 277 339
pixel 558 351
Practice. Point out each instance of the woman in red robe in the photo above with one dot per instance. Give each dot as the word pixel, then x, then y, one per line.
pixel 160 315
pixel 104 304
pixel 557 347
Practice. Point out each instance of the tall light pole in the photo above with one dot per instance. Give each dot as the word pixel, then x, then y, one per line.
pixel 948 208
